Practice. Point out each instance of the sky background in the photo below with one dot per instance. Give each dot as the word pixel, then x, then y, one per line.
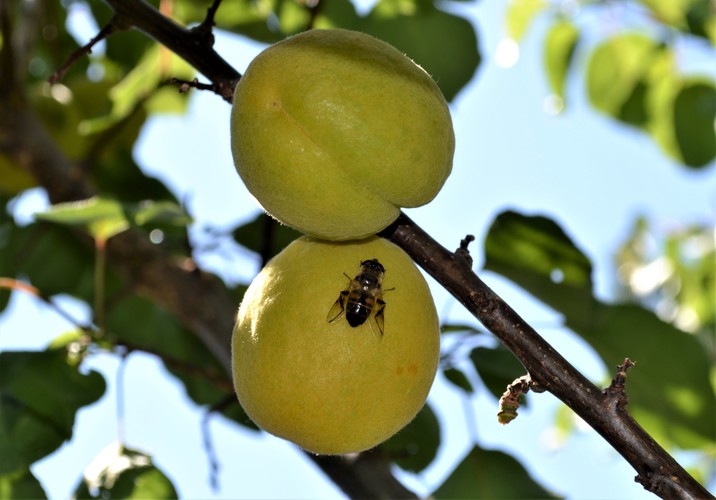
pixel 580 168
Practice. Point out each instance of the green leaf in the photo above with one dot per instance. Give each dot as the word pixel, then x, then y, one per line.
pixel 260 231
pixel 143 325
pixel 690 16
pixel 559 46
pixel 458 379
pixel 126 474
pixel 40 393
pixel 618 74
pixel 103 217
pixel 670 395
pixel 497 368
pixel 520 15
pixel 426 34
pixel 490 474
pixel 694 118
pixel 13 178
pixel 415 447
pixel 682 116
pixel 21 484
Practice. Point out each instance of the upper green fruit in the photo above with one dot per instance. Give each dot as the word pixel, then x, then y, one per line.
pixel 333 131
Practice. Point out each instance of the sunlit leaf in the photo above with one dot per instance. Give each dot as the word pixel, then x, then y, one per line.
pixel 669 394
pixel 617 76
pixel 415 447
pixel 521 14
pixel 691 16
pixel 106 217
pixel 40 393
pixel 558 49
pixel 103 217
pixel 124 474
pixel 487 474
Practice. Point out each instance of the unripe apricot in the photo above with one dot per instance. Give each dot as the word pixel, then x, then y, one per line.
pixel 327 386
pixel 333 131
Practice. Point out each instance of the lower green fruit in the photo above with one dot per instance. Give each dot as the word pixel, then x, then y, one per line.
pixel 327 386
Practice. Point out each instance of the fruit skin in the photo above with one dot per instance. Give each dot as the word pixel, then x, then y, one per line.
pixel 328 387
pixel 333 131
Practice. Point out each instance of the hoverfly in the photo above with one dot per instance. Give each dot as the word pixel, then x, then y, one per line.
pixel 363 297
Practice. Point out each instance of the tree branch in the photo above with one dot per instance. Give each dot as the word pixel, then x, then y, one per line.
pixel 605 411
pixel 194 46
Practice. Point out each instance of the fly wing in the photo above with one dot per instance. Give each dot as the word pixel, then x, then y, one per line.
pixel 339 307
pixel 379 317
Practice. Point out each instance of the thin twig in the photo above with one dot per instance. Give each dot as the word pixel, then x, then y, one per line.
pixel 86 49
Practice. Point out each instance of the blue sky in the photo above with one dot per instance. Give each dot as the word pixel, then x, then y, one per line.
pixel 593 176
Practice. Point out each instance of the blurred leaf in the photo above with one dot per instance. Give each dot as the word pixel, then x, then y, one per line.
pixel 694 118
pixel 558 49
pixel 674 272
pixel 415 447
pixel 426 34
pixel 32 252
pixel 143 325
pixel 520 14
pixel 40 394
pixel 103 217
pixel 126 474
pixel 497 368
pixel 457 328
pixel 458 379
pixel 255 234
pixel 490 474
pixel 682 115
pixel 690 16
pixel 670 395
pixel 617 76
pixel 21 484
pixel 13 178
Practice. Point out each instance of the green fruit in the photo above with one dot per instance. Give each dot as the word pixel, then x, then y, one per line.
pixel 326 386
pixel 333 131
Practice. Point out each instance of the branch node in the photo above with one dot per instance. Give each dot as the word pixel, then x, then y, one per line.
pixel 204 32
pixel 463 253
pixel 510 400
pixel 617 389
pixel 186 85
